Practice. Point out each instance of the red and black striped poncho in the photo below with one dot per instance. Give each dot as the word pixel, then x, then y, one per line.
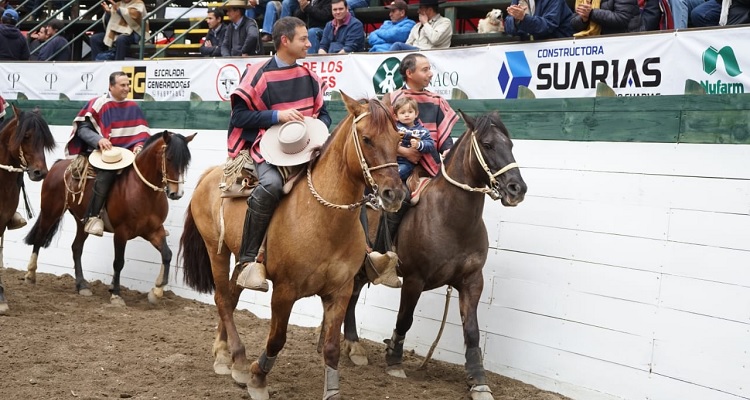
pixel 266 86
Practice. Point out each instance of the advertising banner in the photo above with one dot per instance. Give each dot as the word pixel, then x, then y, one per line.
pixel 639 65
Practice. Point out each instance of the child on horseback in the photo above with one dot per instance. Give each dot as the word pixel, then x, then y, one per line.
pixel 414 134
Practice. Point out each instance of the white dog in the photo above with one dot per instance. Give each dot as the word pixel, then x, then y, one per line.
pixel 493 22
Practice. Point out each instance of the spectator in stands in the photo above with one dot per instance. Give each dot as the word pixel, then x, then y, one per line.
pixel 344 33
pixel 242 37
pixel 396 29
pixel 706 14
pixel 270 9
pixel 54 48
pixel 651 15
pixel 541 19
pixel 290 7
pixel 735 12
pixel 123 29
pixel 13 45
pixel 316 14
pixel 681 10
pixel 37 38
pixel 433 31
pixel 211 47
pixel 612 16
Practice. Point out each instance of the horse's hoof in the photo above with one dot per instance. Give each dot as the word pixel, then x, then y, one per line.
pixel 356 352
pixel 153 298
pixel 332 395
pixel 221 368
pixel 85 292
pixel 4 308
pixel 396 371
pixel 241 376
pixel 481 392
pixel 359 360
pixel 30 278
pixel 258 393
pixel 117 301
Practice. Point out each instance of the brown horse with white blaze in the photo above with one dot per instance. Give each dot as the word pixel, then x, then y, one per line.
pixel 443 241
pixel 315 243
pixel 24 139
pixel 136 206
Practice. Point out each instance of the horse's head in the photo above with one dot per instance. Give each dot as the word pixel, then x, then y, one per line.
pixel 174 158
pixel 495 162
pixel 374 129
pixel 29 142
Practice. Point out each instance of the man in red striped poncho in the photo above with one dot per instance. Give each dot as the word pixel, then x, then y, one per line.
pixel 107 121
pixel 436 115
pixel 276 91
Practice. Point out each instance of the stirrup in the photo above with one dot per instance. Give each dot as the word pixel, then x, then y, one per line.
pixel 94 226
pixel 382 269
pixel 16 222
pixel 253 277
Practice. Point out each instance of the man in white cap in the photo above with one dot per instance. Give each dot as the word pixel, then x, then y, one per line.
pixel 262 100
pixel 110 126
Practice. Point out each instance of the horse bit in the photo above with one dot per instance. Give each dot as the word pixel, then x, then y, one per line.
pixel 493 190
pixel 164 180
pixel 371 198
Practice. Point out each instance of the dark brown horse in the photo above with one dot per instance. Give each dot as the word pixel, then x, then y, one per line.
pixel 443 240
pixel 136 206
pixel 23 142
pixel 315 243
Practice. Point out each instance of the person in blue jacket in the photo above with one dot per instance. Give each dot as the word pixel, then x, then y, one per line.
pixel 540 19
pixel 344 34
pixel 396 29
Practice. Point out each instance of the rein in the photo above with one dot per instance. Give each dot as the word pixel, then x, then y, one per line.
pixel 164 180
pixel 370 198
pixel 492 189
pixel 11 168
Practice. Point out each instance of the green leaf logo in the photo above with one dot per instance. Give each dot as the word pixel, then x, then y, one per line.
pixel 711 57
pixel 387 78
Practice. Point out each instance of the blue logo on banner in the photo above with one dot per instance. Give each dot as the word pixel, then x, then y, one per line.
pixel 514 73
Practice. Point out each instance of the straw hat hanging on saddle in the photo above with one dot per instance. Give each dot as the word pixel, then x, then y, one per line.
pixel 291 143
pixel 112 159
pixel 236 4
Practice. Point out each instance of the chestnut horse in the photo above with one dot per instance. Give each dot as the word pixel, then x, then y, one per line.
pixel 443 241
pixel 23 141
pixel 314 245
pixel 136 206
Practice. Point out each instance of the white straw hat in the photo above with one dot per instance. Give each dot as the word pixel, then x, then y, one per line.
pixel 112 159
pixel 291 143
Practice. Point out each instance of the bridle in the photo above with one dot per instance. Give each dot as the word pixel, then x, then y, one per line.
pixel 371 198
pixel 494 187
pixel 164 180
pixel 24 163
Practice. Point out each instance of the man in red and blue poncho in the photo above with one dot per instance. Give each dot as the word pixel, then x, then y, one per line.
pixel 436 115
pixel 107 121
pixel 276 91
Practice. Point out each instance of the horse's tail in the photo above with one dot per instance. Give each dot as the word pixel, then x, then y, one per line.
pixel 39 237
pixel 195 261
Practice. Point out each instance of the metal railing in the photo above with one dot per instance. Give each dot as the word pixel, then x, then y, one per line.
pixel 160 51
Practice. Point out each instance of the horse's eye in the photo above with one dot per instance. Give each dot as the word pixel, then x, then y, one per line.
pixel 487 146
pixel 367 140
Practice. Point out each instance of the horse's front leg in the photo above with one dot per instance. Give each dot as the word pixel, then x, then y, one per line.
pixel 351 345
pixel 282 301
pixel 394 353
pixel 117 266
pixel 82 286
pixel 3 302
pixel 159 241
pixel 468 297
pixel 334 308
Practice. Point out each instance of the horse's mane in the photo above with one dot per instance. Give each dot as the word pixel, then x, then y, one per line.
pixel 179 156
pixel 31 121
pixel 379 115
pixel 482 124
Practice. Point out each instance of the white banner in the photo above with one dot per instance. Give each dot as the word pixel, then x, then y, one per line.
pixel 639 65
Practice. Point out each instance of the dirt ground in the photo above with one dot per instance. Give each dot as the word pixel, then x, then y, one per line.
pixel 55 344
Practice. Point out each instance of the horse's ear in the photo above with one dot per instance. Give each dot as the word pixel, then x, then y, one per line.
pixel 468 119
pixel 352 105
pixel 16 110
pixel 387 100
pixel 190 138
pixel 166 135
